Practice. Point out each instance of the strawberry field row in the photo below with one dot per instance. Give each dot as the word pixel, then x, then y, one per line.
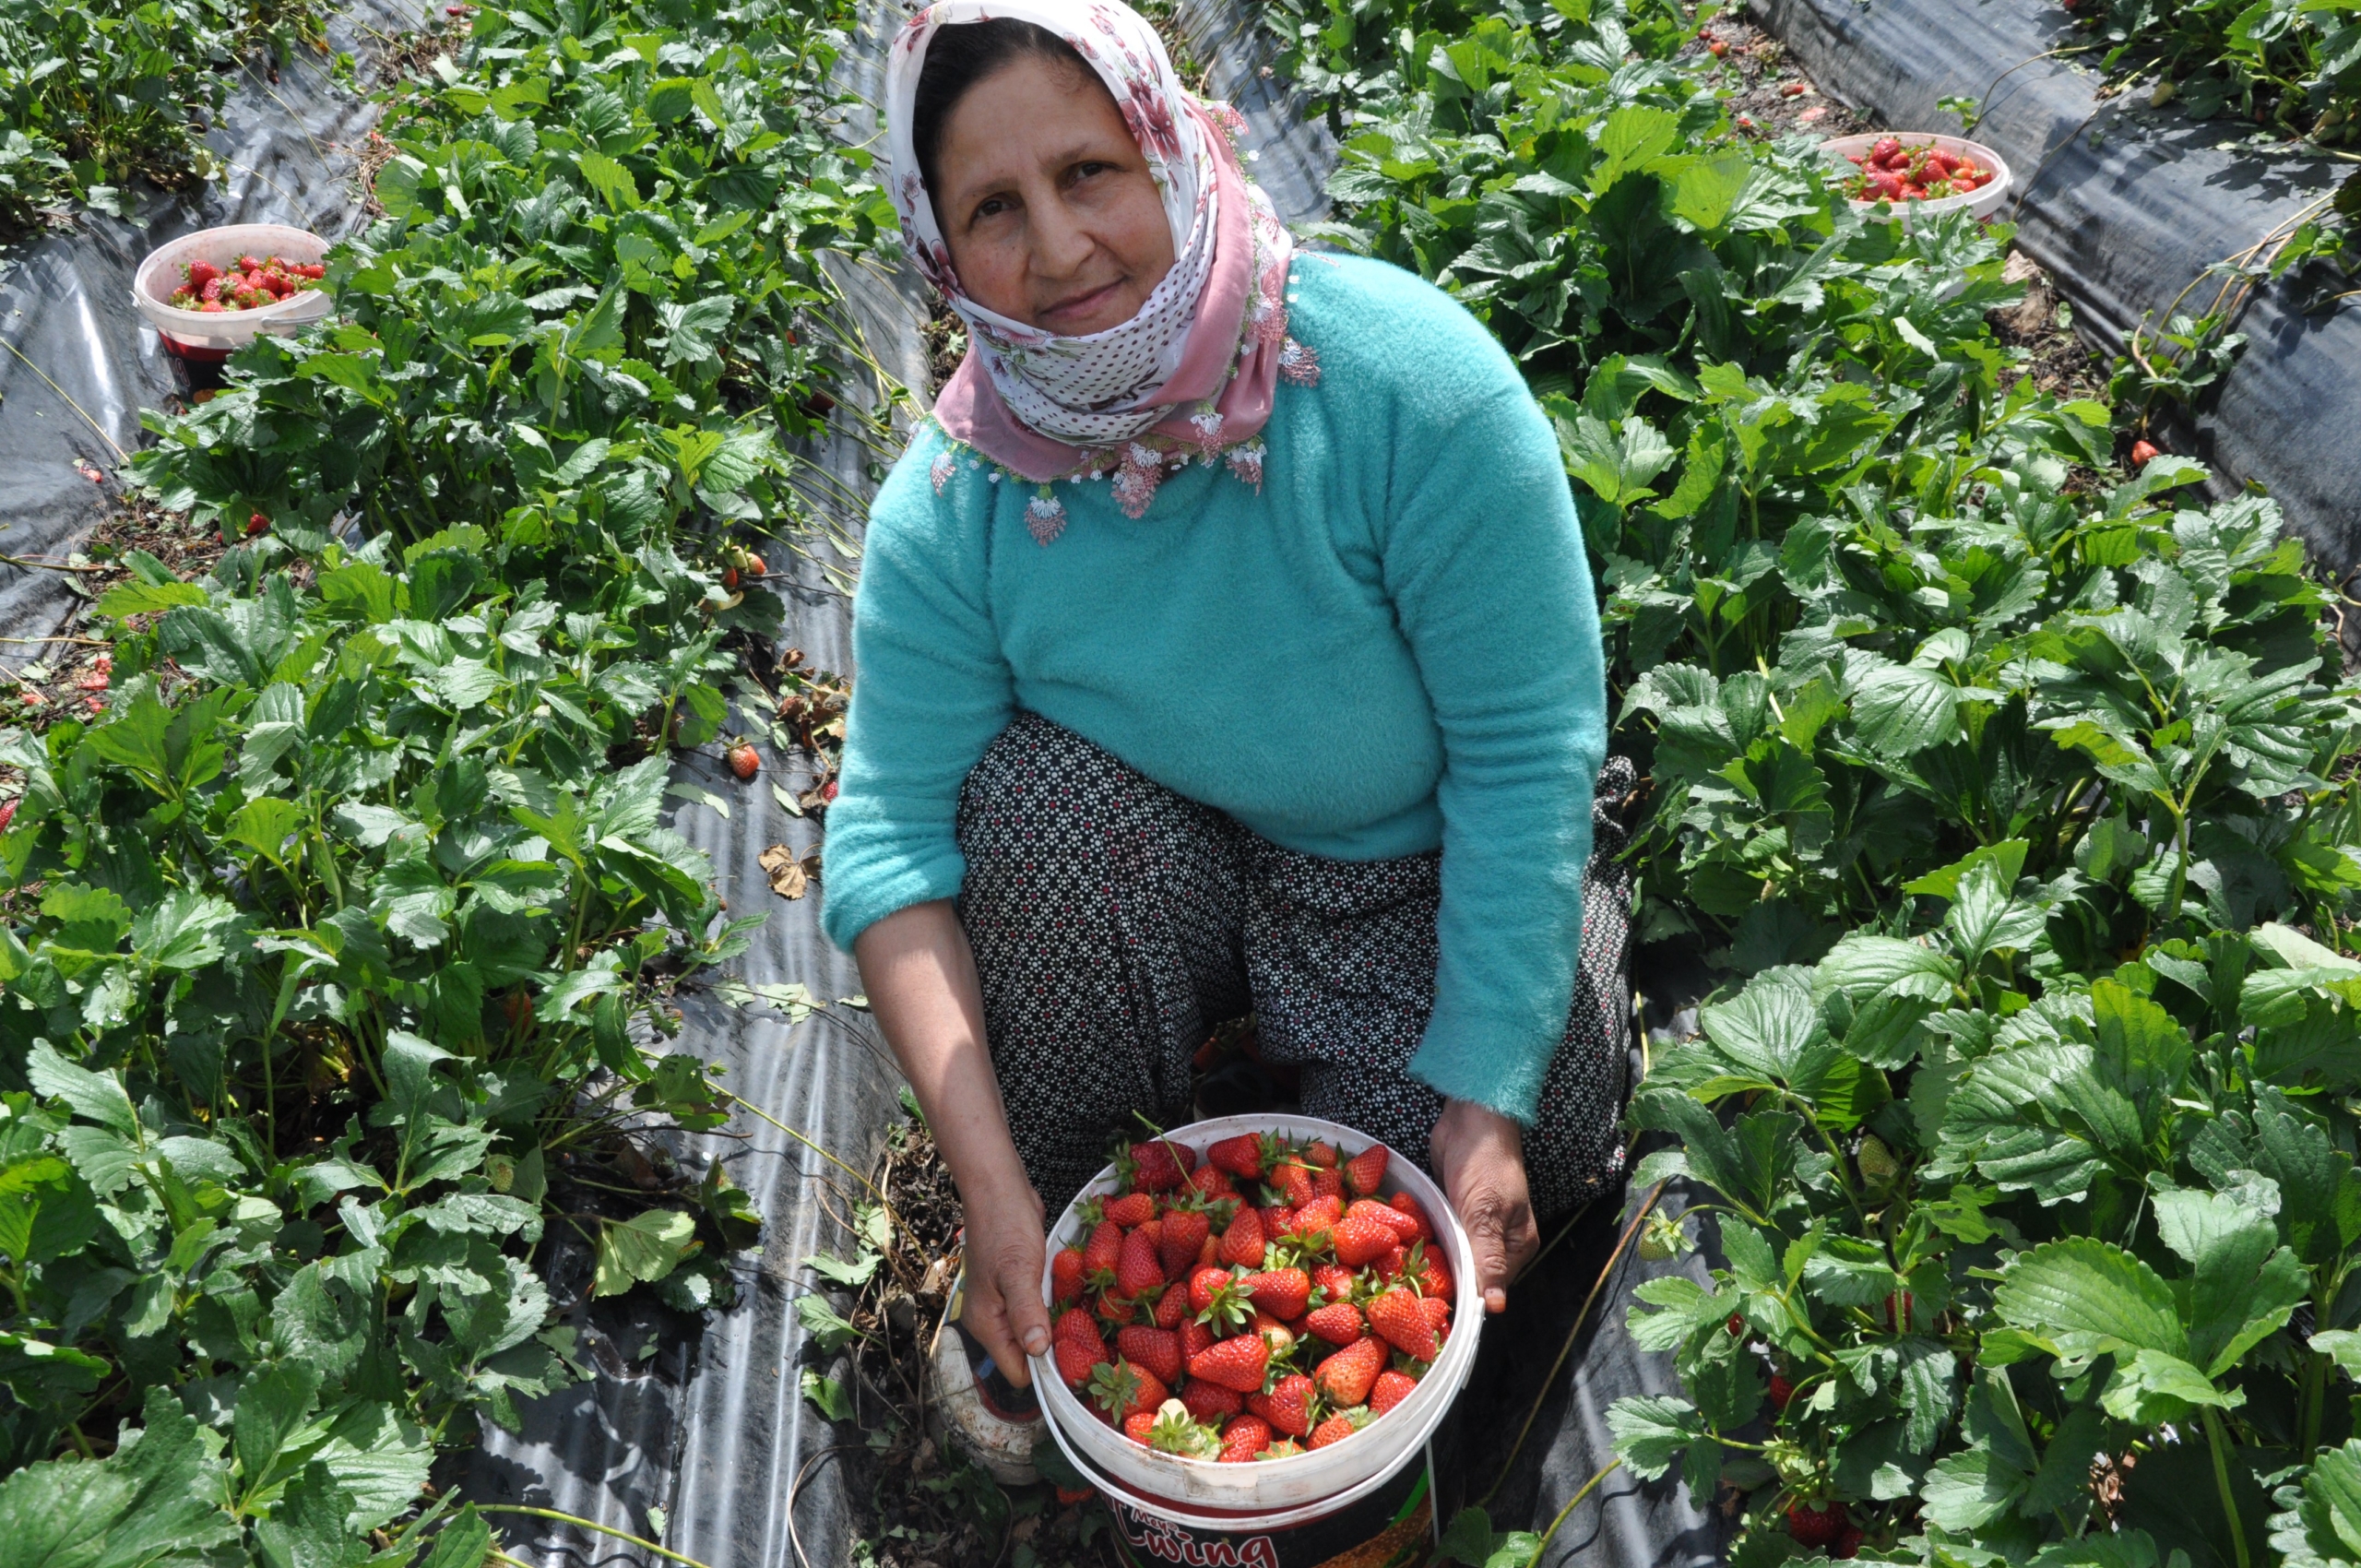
pixel 340 945
pixel 93 96
pixel 2015 800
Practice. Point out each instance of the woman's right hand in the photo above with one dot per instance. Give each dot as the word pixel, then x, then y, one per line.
pixel 1005 1248
pixel 921 978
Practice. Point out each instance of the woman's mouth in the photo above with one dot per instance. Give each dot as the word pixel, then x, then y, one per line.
pixel 1077 308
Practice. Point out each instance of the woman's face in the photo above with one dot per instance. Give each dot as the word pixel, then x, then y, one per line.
pixel 1046 201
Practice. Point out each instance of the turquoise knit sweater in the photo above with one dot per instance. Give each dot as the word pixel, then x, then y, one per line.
pixel 1391 646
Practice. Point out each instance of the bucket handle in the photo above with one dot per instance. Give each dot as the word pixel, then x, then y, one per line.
pixel 1299 1514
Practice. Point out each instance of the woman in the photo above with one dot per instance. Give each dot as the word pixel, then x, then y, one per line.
pixel 1225 642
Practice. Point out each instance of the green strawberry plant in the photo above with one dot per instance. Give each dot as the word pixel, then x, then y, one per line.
pixel 93 96
pixel 2019 805
pixel 339 947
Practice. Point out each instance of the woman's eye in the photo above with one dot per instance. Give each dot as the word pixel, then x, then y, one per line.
pixel 992 206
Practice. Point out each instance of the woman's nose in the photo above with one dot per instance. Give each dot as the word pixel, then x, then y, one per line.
pixel 1061 244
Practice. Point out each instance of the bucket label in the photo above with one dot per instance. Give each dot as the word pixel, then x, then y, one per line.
pixel 1391 1528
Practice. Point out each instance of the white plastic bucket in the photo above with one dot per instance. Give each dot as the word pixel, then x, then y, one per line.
pixel 222 331
pixel 1981 202
pixel 1269 1494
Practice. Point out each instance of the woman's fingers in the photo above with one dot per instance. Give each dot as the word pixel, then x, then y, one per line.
pixel 1003 1307
pixel 1480 1156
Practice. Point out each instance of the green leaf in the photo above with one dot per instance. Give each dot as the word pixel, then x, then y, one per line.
pixel 828 1396
pixel 2245 1285
pixel 1651 1431
pixel 644 1247
pixel 852 1275
pixel 1970 1488
pixel 126 599
pixel 272 1407
pixel 143 1506
pixel 2089 1297
pixel 826 1326
pixel 97 1096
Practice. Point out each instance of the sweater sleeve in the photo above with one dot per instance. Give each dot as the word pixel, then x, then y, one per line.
pixel 931 691
pixel 1484 562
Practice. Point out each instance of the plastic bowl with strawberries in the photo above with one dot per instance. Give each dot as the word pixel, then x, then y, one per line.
pixel 213 292
pixel 1253 1292
pixel 1920 175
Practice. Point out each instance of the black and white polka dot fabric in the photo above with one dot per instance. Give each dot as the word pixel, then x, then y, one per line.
pixel 1115 922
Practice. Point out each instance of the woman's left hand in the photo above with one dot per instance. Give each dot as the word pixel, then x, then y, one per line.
pixel 1480 1154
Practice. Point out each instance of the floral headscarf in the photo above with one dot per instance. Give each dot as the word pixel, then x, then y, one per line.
pixel 1193 372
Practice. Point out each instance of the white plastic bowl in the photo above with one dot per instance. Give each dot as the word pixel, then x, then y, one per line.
pixel 1270 1493
pixel 1982 202
pixel 158 276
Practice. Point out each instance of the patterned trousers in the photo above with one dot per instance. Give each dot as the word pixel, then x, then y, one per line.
pixel 1114 922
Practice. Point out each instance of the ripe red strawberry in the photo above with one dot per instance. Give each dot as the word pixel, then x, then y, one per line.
pixel 1816 1526
pixel 1345 1376
pixel 1171 1306
pixel 1202 1286
pixel 1318 1216
pixel 1243 1438
pixel 1155 1168
pixel 1138 1425
pixel 1404 1227
pixel 1114 1309
pixel 1781 1392
pixel 1339 1323
pixel 1390 1389
pixel 1195 1337
pixel 1736 1326
pixel 1361 1240
pixel 1322 1155
pixel 1338 1427
pixel 7 813
pixel 1211 1401
pixel 1183 1237
pixel 1391 1266
pixel 1395 1317
pixel 1438 1312
pixel 1209 1252
pixel 2143 453
pixel 1132 1210
pixel 1365 1171
pixel 1403 1204
pixel 1329 1184
pixel 1126 1388
pixel 1283 1292
pixel 1289 1405
pixel 1718 49
pixel 1212 1182
pixel 1156 1349
pixel 1293 1183
pixel 1237 1362
pixel 1241 1156
pixel 1277 1334
pixel 1076 1346
pixel 1335 1279
pixel 1848 1542
pixel 1065 1276
pixel 1104 1250
pixel 259 522
pixel 744 761
pixel 200 273
pixel 1137 1269
pixel 1242 1243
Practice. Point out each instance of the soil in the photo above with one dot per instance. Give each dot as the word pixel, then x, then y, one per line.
pixel 2039 331
pixel 1769 96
